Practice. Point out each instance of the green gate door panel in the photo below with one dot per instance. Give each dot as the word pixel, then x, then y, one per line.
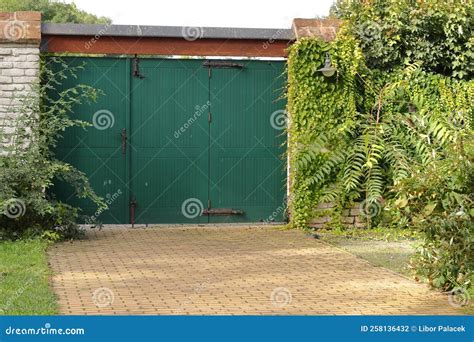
pixel 177 163
pixel 170 141
pixel 247 142
pixel 96 150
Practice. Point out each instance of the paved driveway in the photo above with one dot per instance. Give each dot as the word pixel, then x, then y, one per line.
pixel 226 270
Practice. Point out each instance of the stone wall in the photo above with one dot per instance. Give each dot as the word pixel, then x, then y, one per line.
pixel 353 216
pixel 20 35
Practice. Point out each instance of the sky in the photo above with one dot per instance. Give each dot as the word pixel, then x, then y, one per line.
pixel 202 13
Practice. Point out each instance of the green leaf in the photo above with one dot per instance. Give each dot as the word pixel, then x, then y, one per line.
pixel 428 209
pixel 401 203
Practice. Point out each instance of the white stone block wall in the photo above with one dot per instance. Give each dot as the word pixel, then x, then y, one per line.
pixel 19 69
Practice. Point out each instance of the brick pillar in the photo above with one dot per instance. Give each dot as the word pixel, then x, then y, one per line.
pixel 20 36
pixel 324 29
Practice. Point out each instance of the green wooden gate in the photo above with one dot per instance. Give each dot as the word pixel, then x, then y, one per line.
pixel 204 140
pixel 246 169
pixel 97 150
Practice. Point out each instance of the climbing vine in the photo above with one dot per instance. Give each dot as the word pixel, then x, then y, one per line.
pixel 318 106
pixel 355 135
pixel 368 135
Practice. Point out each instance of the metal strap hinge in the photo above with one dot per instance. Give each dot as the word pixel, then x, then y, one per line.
pixel 222 64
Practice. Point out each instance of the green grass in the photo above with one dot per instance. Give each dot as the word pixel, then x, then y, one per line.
pixel 391 249
pixel 470 309
pixel 24 279
pixel 378 233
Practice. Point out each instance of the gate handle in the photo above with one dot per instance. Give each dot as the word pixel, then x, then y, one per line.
pixel 123 134
pixel 221 212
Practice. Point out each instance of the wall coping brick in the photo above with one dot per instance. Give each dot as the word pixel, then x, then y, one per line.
pixel 20 27
pixel 324 29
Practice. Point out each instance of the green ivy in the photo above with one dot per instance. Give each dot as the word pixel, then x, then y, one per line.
pixel 386 138
pixel 357 134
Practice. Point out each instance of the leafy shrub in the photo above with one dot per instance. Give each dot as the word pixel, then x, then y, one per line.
pixel 355 136
pixel 438 200
pixel 392 33
pixel 386 130
pixel 29 168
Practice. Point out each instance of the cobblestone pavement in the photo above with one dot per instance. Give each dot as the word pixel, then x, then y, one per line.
pixel 226 270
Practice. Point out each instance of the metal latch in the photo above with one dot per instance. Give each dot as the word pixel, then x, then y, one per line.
pixel 133 206
pixel 136 68
pixel 123 135
pixel 221 212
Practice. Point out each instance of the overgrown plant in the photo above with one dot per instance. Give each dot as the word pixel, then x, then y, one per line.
pixel 361 134
pixel 392 33
pixel 28 166
pixel 438 200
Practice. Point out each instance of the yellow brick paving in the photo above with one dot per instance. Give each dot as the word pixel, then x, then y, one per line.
pixel 227 270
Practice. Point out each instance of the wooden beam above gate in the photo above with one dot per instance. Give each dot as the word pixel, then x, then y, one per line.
pixel 165 40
